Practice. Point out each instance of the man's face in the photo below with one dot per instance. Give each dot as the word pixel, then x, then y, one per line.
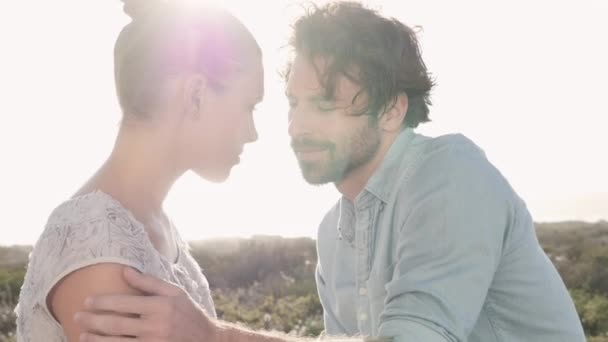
pixel 328 137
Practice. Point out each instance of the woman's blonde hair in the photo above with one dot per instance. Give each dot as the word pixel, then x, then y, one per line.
pixel 170 38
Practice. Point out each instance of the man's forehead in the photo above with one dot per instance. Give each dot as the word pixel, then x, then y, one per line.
pixel 305 77
pixel 304 74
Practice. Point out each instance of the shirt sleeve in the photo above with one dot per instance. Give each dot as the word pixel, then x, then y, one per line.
pixel 449 246
pixel 67 245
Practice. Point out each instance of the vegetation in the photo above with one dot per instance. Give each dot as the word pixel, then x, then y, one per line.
pixel 268 282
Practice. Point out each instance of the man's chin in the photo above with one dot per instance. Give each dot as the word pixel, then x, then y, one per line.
pixel 316 178
pixel 314 181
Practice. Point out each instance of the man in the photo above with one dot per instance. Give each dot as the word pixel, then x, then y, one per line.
pixel 428 242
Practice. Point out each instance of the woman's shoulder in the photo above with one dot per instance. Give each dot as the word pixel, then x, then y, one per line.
pixel 83 231
pixel 91 206
pixel 92 216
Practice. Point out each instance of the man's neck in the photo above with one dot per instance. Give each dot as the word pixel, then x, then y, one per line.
pixel 354 183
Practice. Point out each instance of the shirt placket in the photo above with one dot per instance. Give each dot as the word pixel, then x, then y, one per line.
pixel 363 228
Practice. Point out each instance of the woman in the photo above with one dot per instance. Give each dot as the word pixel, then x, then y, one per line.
pixel 187 79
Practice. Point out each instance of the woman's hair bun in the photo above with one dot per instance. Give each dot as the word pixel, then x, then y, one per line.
pixel 137 9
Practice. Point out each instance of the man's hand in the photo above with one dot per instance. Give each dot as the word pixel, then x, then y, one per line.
pixel 167 313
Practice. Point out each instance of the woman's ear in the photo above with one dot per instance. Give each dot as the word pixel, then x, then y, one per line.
pixel 392 119
pixel 195 89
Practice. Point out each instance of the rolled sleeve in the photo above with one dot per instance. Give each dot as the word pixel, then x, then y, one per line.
pixel 448 249
pixel 403 330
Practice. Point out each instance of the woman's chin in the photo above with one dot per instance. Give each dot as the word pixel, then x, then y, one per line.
pixel 215 176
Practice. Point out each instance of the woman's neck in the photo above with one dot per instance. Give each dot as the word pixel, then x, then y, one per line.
pixel 140 171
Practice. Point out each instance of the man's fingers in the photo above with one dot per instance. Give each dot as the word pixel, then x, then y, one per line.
pixel 112 325
pixel 87 337
pixel 123 304
pixel 149 284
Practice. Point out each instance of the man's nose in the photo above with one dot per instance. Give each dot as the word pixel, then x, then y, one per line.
pixel 299 124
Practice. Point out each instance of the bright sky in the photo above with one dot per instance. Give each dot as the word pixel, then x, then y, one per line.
pixel 526 80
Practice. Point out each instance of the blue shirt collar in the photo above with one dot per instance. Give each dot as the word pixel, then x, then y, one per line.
pixel 381 183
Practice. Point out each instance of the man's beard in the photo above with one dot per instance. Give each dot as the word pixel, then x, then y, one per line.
pixel 343 158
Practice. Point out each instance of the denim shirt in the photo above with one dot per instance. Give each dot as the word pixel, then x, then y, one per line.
pixel 438 247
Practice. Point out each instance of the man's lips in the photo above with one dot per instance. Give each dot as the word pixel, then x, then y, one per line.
pixel 310 153
pixel 309 149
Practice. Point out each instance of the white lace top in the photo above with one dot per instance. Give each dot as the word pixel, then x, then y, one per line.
pixel 91 229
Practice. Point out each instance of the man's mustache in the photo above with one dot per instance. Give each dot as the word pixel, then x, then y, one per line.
pixel 310 144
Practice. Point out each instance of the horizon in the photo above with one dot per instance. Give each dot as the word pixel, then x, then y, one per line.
pixel 267 236
pixel 525 81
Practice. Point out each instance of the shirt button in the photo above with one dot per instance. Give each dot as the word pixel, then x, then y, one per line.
pixel 362 291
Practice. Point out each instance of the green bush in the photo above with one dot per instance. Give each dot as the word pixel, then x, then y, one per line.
pixel 598 339
pixel 7 324
pixel 258 308
pixel 11 280
pixel 593 311
pixel 268 282
pixel 10 285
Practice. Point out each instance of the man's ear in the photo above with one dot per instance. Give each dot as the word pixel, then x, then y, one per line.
pixel 193 97
pixel 392 119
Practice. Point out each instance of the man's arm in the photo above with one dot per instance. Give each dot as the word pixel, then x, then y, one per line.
pixel 172 314
pixel 233 333
pixel 449 247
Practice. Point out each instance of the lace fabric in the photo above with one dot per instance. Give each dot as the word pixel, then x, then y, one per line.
pixel 87 230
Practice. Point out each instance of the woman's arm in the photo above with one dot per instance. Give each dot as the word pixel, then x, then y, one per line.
pixel 68 296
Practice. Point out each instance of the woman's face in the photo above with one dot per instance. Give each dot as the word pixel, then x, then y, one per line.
pixel 214 138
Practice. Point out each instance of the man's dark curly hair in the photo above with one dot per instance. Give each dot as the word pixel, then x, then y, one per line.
pixel 378 53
